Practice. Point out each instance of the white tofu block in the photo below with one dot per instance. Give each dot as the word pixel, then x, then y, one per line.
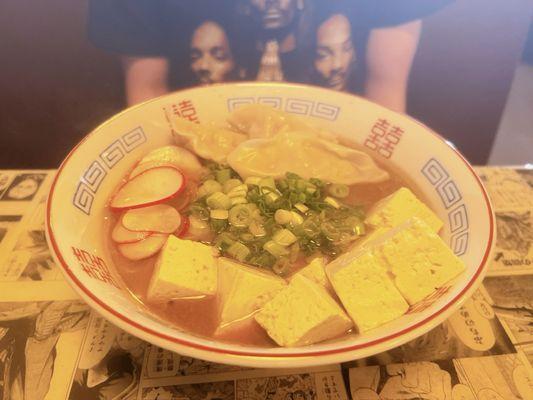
pixel 242 290
pixel 365 290
pixel 417 258
pixel 397 208
pixel 316 271
pixel 303 313
pixel 184 268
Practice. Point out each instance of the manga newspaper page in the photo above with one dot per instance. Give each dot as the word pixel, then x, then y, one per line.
pixel 53 347
pixel 511 194
pixel 112 364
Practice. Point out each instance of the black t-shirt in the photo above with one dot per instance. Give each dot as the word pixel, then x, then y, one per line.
pixel 375 14
pixel 163 28
pixel 135 27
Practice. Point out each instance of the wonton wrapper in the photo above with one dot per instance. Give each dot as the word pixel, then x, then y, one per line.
pixel 259 121
pixel 206 140
pixel 306 155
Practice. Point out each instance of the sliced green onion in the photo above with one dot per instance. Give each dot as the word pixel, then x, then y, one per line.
pixel 332 202
pixel 255 211
pixel 238 191
pixel 345 238
pixel 355 225
pixel 218 225
pixel 316 182
pixel 282 217
pixel 199 211
pixel 223 175
pixel 338 191
pixel 257 229
pixel 301 207
pixel 292 175
pixel 275 249
pixel 271 197
pixel 230 184
pixel 284 237
pixel 219 214
pixel 264 259
pixel 218 200
pixel 238 251
pixel 197 227
pixel 311 227
pixel 330 231
pixel 238 200
pixel 210 186
pixel 296 219
pixel 253 180
pixel 282 266
pixel 301 185
pixel 294 252
pixel 283 184
pixel 224 240
pixel 267 182
pixel 247 237
pixel 240 216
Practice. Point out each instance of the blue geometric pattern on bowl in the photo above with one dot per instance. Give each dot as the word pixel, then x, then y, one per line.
pixel 97 170
pixel 451 199
pixel 295 106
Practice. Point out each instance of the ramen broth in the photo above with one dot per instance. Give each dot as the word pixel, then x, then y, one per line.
pixel 200 316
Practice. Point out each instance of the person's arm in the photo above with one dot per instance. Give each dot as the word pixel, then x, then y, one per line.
pixel 144 78
pixel 390 52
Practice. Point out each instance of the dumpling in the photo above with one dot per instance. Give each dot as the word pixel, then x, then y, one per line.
pixel 206 140
pixel 261 121
pixel 306 155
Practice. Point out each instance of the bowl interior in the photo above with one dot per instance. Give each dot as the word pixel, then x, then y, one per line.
pixel 76 215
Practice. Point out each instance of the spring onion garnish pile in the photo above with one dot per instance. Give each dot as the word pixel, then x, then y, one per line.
pixel 276 223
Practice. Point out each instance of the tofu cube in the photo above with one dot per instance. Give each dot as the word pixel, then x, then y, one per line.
pixel 316 271
pixel 184 268
pixel 397 208
pixel 365 289
pixel 303 313
pixel 418 259
pixel 242 290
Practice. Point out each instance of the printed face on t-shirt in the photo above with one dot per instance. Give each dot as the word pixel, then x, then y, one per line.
pixel 334 54
pixel 274 14
pixel 210 57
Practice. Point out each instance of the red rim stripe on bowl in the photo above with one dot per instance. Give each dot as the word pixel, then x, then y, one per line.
pixel 184 342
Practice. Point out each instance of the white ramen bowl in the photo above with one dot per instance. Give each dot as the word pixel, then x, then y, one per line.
pixel 76 212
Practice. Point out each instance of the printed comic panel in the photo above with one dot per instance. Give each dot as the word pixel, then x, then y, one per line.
pixel 30 258
pixel 502 377
pixel 514 245
pixel 224 390
pixel 507 188
pixel 161 363
pixel 5 179
pixel 527 175
pixel 321 386
pixel 7 223
pixel 39 342
pixel 512 301
pixel 22 187
pixel 110 363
